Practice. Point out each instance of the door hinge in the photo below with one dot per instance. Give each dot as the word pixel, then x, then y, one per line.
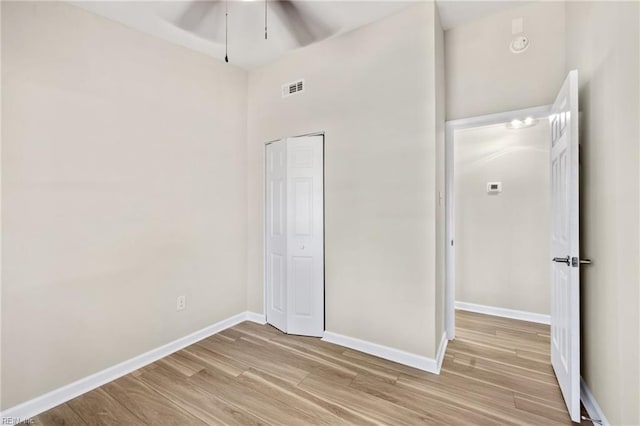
pixel 594 421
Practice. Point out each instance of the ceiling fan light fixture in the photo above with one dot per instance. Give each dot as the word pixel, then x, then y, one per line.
pixel 304 29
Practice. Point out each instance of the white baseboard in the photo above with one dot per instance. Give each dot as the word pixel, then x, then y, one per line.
pixel 502 312
pixel 257 318
pixel 591 405
pixel 442 349
pixel 401 357
pixel 61 395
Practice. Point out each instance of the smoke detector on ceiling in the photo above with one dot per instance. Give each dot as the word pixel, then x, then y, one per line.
pixel 519 43
pixel 292 88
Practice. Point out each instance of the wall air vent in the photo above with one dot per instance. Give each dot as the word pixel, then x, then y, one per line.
pixel 292 88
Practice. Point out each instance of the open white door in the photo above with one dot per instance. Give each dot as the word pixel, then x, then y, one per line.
pixel 294 235
pixel 276 234
pixel 565 279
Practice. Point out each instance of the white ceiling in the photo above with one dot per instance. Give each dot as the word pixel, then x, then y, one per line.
pixel 247 46
pixel 454 12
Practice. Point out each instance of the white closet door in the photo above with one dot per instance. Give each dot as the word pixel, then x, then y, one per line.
pixel 276 235
pixel 305 236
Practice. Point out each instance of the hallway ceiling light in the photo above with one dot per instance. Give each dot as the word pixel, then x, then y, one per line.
pixel 521 124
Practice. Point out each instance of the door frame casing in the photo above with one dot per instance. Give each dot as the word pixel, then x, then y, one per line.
pixel 539 112
pixel 264 220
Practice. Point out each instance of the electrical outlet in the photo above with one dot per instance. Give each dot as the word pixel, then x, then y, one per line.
pixel 181 303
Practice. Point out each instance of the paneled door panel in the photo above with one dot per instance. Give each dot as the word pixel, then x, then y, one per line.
pixel 276 235
pixel 565 286
pixel 303 209
pixel 305 237
pixel 277 278
pixel 302 279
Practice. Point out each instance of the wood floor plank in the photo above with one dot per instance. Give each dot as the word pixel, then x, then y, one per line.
pixel 266 331
pixel 288 394
pixel 534 356
pixel 551 415
pixel 497 371
pixel 337 376
pixel 182 363
pixel 557 404
pixel 377 409
pixel 480 320
pixel 206 358
pixel 501 341
pixel 448 384
pixel 500 355
pixel 62 415
pixel 312 342
pixel 505 381
pixel 519 335
pixel 498 328
pixel 290 355
pixel 302 360
pixel 356 366
pixel 385 364
pixel 147 404
pixel 204 404
pixel 482 398
pixel 216 358
pixel 504 368
pixel 230 333
pixel 98 408
pixel 341 413
pixel 239 394
pixel 248 353
pixel 440 409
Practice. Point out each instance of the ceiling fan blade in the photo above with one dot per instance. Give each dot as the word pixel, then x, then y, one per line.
pixel 195 13
pixel 304 30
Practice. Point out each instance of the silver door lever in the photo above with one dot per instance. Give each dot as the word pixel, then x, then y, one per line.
pixel 566 260
pixel 575 262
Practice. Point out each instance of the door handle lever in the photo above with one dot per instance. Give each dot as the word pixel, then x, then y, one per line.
pixel 566 260
pixel 575 262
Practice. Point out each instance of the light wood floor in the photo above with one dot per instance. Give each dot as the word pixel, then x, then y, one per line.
pixel 497 371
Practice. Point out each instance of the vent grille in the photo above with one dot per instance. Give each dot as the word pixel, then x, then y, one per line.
pixel 292 88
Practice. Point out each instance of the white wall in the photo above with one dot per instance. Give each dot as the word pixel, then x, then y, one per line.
pixel 502 240
pixel 484 77
pixel 373 92
pixel 123 186
pixel 603 44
